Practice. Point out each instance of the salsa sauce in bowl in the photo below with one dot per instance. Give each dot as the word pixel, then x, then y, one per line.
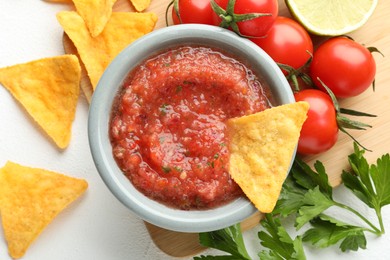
pixel 167 125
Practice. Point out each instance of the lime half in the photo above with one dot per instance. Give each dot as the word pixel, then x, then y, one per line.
pixel 331 17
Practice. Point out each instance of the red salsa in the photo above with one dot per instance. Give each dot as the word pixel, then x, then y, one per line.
pixel 167 126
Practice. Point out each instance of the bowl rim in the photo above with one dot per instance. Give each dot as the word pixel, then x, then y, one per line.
pixel 149 210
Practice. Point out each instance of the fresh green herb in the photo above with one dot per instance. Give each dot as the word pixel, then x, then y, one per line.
pixel 371 184
pixel 229 240
pixel 166 169
pixel 278 240
pixel 186 82
pixel 306 196
pixel 164 109
pixel 216 156
pixel 177 168
pixel 211 164
pixel 328 231
pixel 179 89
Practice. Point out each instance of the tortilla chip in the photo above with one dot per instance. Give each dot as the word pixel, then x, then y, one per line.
pixel 97 52
pixel 59 1
pixel 140 5
pixel 85 83
pixel 95 13
pixel 48 89
pixel 30 199
pixel 261 148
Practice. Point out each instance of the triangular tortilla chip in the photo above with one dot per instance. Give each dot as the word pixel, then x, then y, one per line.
pixel 48 89
pixel 261 148
pixel 97 52
pixel 140 5
pixel 30 199
pixel 59 1
pixel 95 13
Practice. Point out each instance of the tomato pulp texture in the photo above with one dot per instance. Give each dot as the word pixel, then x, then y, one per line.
pixel 320 131
pixel 344 66
pixel 193 11
pixel 168 125
pixel 254 27
pixel 287 42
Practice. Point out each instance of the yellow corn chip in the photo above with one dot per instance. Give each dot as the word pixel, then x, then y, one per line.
pixel 97 52
pixel 85 83
pixel 59 1
pixel 30 199
pixel 140 5
pixel 48 89
pixel 95 13
pixel 261 148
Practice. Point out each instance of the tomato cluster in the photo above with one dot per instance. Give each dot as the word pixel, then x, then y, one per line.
pixel 338 68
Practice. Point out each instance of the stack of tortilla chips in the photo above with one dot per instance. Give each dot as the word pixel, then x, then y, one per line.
pixel 96 34
pixel 48 88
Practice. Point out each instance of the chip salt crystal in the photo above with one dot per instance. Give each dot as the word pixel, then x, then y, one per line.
pixel 261 148
pixel 48 89
pixel 30 198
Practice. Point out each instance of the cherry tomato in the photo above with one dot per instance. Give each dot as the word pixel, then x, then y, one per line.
pixel 345 66
pixel 320 131
pixel 255 27
pixel 287 42
pixel 193 11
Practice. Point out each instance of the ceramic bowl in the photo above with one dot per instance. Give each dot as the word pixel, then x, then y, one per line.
pixel 107 89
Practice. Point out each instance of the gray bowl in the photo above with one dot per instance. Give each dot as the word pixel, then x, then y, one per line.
pixel 107 89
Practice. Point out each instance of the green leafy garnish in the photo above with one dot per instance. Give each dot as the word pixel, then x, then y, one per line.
pixel 306 197
pixel 278 240
pixel 328 231
pixel 371 184
pixel 229 240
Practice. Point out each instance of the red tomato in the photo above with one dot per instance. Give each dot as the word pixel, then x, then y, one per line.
pixel 193 11
pixel 287 42
pixel 345 66
pixel 255 27
pixel 319 132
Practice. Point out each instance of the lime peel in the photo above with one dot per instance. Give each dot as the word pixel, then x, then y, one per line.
pixel 332 17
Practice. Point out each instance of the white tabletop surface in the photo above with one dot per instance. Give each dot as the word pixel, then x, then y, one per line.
pixel 96 226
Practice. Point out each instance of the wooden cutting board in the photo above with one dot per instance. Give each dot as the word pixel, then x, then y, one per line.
pixel 376 32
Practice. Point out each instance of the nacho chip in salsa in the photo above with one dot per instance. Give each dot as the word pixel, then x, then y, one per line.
pixel 48 89
pixel 261 147
pixel 97 52
pixel 30 198
pixel 167 126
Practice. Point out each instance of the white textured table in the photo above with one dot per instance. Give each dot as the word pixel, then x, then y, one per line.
pixel 97 226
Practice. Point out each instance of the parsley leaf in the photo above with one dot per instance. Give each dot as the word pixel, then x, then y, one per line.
pixel 371 184
pixel 300 180
pixel 309 179
pixel 278 240
pixel 290 199
pixel 315 202
pixel 306 194
pixel 229 240
pixel 328 231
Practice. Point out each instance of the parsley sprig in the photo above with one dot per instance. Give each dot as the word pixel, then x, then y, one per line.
pixel 306 196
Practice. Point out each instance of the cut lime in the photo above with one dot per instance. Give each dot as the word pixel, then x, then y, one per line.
pixel 331 17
